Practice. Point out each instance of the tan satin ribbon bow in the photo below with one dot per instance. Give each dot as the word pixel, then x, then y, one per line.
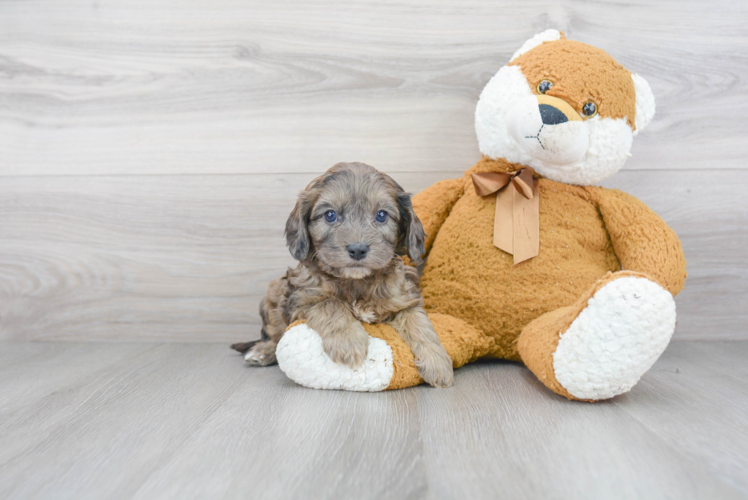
pixel 515 227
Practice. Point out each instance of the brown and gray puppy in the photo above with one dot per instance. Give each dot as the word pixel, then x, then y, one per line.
pixel 347 229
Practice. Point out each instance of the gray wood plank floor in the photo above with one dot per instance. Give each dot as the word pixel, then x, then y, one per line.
pixel 169 420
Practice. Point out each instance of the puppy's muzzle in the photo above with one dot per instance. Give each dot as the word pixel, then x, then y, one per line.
pixel 357 251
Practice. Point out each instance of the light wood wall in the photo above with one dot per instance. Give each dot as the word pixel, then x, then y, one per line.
pixel 150 151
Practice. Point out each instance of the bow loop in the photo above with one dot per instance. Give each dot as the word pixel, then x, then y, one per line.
pixel 486 183
pixel 524 183
pixel 516 223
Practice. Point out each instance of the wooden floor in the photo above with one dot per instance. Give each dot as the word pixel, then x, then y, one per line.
pixel 136 420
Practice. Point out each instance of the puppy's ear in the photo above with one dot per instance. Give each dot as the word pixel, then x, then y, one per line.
pixel 297 235
pixel 412 237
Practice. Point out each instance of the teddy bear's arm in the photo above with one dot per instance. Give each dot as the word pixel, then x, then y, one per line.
pixel 641 239
pixel 434 204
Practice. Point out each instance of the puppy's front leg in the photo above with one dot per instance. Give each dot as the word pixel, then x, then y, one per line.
pixel 343 337
pixel 432 361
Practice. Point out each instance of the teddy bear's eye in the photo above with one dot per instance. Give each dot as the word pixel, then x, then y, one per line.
pixel 589 109
pixel 544 86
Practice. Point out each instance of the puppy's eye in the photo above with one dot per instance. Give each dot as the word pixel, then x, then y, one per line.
pixel 544 86
pixel 381 216
pixel 589 109
pixel 331 216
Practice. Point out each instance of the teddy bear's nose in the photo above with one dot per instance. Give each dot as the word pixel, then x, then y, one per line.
pixel 554 110
pixel 551 115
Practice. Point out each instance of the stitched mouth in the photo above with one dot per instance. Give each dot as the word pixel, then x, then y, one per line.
pixel 537 136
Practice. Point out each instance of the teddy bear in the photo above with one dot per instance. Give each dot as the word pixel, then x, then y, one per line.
pixel 527 258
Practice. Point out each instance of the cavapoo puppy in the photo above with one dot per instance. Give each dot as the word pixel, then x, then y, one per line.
pixel 347 230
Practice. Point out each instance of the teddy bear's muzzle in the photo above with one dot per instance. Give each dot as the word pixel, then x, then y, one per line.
pixel 549 129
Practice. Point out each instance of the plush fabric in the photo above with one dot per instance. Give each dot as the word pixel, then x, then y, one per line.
pixel 389 364
pixel 538 343
pixel 592 312
pixel 580 73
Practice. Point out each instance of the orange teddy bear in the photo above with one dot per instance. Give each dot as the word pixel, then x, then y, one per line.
pixel 527 259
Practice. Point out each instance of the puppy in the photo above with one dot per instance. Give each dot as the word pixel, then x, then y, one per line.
pixel 347 230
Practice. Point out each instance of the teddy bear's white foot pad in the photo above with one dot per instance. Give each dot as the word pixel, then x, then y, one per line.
pixel 625 327
pixel 302 359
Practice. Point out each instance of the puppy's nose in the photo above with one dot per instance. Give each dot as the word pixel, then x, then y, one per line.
pixel 357 251
pixel 551 115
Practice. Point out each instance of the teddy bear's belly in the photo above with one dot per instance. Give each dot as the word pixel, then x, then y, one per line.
pixel 467 277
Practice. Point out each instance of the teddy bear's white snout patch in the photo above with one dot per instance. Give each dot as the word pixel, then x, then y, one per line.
pixel 552 143
pixel 576 152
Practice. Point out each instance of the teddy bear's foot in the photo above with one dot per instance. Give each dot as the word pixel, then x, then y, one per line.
pixel 301 357
pixel 390 363
pixel 625 327
pixel 601 346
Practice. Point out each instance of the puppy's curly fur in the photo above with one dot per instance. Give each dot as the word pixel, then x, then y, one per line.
pixel 347 230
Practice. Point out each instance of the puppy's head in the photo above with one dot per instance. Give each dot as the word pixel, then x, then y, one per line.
pixel 352 221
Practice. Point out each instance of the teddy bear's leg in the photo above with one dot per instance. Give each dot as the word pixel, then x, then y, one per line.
pixel 600 346
pixel 389 364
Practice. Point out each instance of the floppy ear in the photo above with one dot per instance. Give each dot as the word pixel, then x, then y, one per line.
pixel 297 235
pixel 412 237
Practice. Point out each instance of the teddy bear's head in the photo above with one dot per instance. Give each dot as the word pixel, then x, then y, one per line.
pixel 565 108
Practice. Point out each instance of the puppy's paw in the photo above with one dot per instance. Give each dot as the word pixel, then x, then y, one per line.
pixel 243 347
pixel 261 354
pixel 347 348
pixel 435 366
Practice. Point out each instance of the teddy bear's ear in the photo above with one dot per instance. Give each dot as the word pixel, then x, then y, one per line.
pixel 546 36
pixel 645 102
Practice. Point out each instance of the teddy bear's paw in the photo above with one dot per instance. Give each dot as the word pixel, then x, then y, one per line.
pixel 625 327
pixel 301 357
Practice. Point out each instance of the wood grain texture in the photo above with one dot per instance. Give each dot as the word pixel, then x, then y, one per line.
pixel 134 258
pixel 150 151
pixel 182 421
pixel 143 87
pixel 190 257
pixel 705 375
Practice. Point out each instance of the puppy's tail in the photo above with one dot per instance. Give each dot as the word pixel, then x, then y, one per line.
pixel 243 347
